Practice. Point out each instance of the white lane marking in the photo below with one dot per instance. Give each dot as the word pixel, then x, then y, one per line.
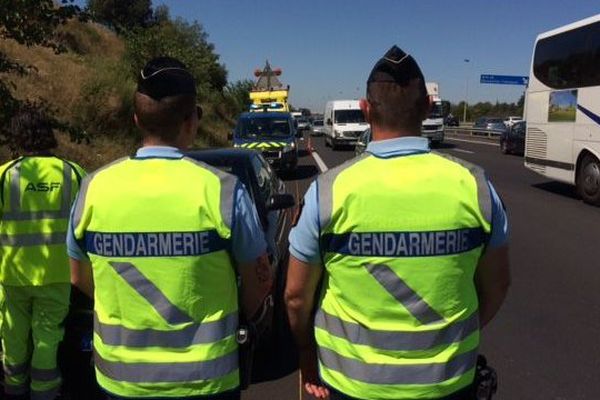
pixel 463 151
pixel 473 141
pixel 319 161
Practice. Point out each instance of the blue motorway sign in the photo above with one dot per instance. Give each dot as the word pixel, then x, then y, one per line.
pixel 505 79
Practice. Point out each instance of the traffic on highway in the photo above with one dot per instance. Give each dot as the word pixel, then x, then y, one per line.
pixel 387 244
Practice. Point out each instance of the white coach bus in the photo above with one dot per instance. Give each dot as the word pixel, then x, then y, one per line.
pixel 562 107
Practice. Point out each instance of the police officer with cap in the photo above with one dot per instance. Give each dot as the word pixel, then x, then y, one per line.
pixel 409 248
pixel 156 240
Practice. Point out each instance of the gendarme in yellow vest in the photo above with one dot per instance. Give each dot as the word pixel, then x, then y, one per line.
pixel 166 309
pixel 400 239
pixel 36 194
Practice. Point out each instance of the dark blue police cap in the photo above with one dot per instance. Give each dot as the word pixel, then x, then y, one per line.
pixel 397 67
pixel 164 77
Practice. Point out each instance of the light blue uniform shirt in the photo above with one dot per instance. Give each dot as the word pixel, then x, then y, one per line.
pixel 304 238
pixel 247 237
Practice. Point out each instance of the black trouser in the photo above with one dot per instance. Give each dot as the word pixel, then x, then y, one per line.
pixel 463 394
pixel 233 395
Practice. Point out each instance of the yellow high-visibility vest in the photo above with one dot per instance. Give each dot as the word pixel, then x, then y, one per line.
pixel 400 238
pixel 157 232
pixel 36 197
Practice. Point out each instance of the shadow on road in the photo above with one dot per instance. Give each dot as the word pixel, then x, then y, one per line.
pixel 301 172
pixel 303 153
pixel 559 188
pixel 443 145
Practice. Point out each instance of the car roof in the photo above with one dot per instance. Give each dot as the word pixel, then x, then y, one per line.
pixel 223 153
pixel 251 115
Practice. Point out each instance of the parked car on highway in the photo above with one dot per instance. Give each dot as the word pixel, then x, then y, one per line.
pixel 318 128
pixel 509 121
pixel 303 123
pixel 362 142
pixel 490 125
pixel 512 140
pixel 275 354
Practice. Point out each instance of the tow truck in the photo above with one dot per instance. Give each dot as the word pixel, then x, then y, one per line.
pixel 268 126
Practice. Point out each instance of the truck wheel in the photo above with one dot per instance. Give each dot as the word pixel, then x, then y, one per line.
pixel 334 146
pixel 588 180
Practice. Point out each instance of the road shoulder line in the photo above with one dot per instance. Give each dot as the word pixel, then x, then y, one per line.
pixel 320 163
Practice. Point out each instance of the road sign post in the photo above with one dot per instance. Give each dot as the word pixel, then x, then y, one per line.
pixel 504 80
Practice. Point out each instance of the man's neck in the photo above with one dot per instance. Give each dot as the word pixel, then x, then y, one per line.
pixel 383 134
pixel 153 141
pixel 45 153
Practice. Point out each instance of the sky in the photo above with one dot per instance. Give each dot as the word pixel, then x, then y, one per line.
pixel 326 48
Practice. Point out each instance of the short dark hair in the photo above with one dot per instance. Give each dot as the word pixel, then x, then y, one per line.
pixel 32 130
pixel 163 118
pixel 398 107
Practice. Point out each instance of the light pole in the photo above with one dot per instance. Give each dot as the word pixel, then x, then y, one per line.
pixel 466 93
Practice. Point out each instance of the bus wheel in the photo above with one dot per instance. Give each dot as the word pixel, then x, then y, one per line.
pixel 588 180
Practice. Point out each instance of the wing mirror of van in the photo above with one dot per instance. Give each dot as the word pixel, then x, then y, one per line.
pixel 328 122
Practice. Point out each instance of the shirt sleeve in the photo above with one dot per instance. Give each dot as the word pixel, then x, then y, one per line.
pixel 73 248
pixel 304 237
pixel 499 234
pixel 247 236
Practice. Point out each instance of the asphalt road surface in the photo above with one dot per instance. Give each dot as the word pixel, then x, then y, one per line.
pixel 545 342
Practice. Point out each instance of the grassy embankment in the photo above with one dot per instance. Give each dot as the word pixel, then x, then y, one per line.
pixel 91 86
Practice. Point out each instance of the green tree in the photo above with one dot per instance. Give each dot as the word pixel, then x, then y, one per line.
pixel 121 15
pixel 29 23
pixel 237 95
pixel 185 41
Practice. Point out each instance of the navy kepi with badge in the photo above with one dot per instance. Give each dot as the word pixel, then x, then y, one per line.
pixel 164 77
pixel 395 66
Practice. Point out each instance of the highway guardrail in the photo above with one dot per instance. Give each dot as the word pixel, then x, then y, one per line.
pixel 470 131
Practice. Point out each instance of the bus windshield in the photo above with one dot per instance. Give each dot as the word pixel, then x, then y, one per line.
pixel 252 128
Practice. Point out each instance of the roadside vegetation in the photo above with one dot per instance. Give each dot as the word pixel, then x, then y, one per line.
pixel 82 65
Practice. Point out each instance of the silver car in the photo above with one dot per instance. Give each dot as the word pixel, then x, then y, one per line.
pixel 318 129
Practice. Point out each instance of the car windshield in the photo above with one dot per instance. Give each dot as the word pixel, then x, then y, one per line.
pixel 318 122
pixel 231 165
pixel 252 128
pixel 436 111
pixel 349 116
pixel 495 121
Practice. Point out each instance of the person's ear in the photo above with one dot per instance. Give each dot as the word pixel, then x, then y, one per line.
pixel 366 109
pixel 136 120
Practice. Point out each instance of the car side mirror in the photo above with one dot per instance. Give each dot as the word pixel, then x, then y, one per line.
pixel 280 202
pixel 329 121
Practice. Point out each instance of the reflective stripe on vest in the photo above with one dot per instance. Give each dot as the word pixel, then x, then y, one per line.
pixel 390 374
pixel 171 372
pixel 383 330
pixel 397 340
pixel 191 334
pixel 32 239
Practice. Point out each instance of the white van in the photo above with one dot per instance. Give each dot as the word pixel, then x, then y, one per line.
pixel 344 123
